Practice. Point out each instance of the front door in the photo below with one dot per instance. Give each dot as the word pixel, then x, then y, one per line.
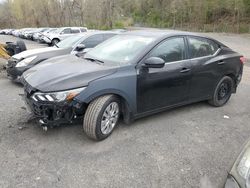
pixel 162 87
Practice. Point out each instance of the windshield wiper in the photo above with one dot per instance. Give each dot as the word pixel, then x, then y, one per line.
pixel 56 45
pixel 92 59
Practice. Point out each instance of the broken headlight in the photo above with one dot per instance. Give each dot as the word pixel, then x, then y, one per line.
pixel 57 96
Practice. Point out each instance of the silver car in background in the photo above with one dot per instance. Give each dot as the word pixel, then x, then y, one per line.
pixel 62 33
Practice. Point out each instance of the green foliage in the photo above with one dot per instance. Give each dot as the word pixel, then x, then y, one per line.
pixel 119 24
pixel 195 15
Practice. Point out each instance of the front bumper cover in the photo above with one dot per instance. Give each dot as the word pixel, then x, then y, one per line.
pixel 53 113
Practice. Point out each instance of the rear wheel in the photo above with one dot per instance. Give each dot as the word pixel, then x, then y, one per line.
pixel 223 92
pixel 101 117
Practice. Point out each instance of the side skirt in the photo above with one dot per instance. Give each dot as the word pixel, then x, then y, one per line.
pixel 144 114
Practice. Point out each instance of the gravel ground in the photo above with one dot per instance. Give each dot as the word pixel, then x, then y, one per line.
pixel 191 146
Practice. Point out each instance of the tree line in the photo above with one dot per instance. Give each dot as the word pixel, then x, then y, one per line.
pixel 198 15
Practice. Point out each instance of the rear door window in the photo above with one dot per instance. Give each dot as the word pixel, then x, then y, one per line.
pixel 201 47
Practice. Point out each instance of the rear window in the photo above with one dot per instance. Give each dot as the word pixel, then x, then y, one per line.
pixel 201 47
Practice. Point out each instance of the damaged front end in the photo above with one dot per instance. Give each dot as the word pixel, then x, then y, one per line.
pixel 54 109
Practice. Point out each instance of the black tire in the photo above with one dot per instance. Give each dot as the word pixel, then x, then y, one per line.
pixel 21 45
pixel 95 115
pixel 222 92
pixel 54 41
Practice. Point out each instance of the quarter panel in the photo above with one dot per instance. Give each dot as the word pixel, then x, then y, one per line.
pixel 207 72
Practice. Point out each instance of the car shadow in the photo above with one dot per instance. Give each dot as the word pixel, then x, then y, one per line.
pixel 173 111
pixel 75 129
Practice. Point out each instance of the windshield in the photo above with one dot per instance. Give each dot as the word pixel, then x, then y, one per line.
pixel 121 48
pixel 69 42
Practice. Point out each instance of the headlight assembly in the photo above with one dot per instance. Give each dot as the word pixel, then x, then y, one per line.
pixel 26 61
pixel 57 96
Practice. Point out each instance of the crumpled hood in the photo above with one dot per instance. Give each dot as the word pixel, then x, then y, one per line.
pixel 35 52
pixel 64 73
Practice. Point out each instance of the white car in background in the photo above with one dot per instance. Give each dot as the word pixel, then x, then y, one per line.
pixel 39 33
pixel 62 33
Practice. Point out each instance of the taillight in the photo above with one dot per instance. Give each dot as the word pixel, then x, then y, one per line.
pixel 243 60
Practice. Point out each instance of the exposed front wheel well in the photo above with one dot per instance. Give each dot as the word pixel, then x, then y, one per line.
pixel 126 113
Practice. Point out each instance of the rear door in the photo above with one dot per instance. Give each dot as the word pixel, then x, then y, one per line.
pixel 205 67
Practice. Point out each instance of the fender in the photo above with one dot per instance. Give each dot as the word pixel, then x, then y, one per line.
pixel 82 98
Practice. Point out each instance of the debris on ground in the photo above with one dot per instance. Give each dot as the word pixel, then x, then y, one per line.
pixel 22 127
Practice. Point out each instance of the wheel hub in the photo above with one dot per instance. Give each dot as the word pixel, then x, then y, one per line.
pixel 109 118
pixel 223 92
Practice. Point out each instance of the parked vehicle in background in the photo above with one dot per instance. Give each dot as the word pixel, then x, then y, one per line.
pixel 75 44
pixel 45 35
pixel 11 48
pixel 62 33
pixel 22 32
pixel 132 75
pixel 239 175
pixel 38 35
pixel 30 34
pixel 6 31
pixel 16 32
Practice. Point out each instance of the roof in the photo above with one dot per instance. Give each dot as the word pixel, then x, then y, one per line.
pixel 159 33
pixel 95 32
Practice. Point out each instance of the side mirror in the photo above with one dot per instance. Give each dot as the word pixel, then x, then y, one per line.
pixel 80 47
pixel 154 62
pixel 82 52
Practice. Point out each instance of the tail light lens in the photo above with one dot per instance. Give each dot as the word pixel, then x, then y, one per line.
pixel 243 60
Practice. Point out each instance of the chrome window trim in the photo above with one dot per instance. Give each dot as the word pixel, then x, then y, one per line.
pixel 216 53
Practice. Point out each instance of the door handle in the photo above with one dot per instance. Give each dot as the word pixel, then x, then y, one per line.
pixel 185 70
pixel 221 62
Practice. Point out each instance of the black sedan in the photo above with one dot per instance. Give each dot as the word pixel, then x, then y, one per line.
pixel 74 44
pixel 132 75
